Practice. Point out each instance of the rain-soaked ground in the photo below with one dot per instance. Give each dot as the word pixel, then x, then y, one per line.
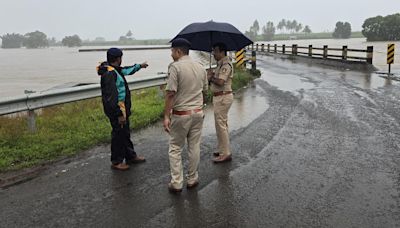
pixel 312 147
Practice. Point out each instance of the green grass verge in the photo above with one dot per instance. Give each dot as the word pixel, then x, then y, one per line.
pixel 68 129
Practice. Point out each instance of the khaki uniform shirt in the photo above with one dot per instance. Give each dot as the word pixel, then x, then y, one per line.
pixel 223 71
pixel 189 80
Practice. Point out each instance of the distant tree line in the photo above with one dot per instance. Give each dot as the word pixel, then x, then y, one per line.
pixel 377 28
pixel 39 39
pixel 36 39
pixel 382 28
pixel 269 29
pixel 12 40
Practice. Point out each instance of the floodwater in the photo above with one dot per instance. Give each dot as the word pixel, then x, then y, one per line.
pixel 43 69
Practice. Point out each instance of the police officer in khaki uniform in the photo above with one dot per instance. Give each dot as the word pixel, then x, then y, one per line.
pixel 221 86
pixel 183 115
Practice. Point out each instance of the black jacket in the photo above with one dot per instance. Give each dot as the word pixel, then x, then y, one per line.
pixel 109 89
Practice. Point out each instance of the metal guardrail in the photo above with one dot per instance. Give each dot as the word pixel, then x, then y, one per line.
pixel 294 50
pixel 44 99
pixel 38 100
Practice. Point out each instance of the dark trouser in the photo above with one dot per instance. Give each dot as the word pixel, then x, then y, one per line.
pixel 121 144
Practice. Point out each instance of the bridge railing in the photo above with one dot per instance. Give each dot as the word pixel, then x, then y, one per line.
pixel 343 53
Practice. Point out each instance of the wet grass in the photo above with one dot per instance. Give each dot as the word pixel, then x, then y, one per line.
pixel 68 129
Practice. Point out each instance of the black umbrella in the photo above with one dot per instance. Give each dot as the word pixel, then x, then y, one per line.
pixel 203 35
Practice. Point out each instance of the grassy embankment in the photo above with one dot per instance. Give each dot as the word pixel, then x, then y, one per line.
pixel 68 129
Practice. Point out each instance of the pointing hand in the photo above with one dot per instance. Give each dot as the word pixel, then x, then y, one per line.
pixel 144 65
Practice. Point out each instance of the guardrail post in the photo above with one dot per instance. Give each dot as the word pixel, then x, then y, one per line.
pixel 253 60
pixel 269 48
pixel 294 49
pixel 252 47
pixel 275 48
pixel 370 54
pixel 262 47
pixel 325 54
pixel 344 53
pixel 31 121
pixel 283 49
pixel 310 50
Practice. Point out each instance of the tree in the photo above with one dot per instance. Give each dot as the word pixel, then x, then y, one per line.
pixel 299 27
pixel 346 33
pixel 342 30
pixel 129 34
pixel 268 31
pixel 307 30
pixel 292 25
pixel 281 25
pixel 338 30
pixel 13 40
pixel 35 39
pixel 253 31
pixel 382 28
pixel 72 41
pixel 256 27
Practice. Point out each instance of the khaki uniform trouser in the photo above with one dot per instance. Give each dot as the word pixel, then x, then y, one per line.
pixel 222 104
pixel 187 127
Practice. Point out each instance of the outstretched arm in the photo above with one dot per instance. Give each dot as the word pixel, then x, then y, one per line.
pixel 129 70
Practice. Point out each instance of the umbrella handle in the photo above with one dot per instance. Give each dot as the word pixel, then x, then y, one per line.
pixel 210 60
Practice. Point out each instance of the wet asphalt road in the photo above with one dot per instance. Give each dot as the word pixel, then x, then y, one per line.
pixel 317 147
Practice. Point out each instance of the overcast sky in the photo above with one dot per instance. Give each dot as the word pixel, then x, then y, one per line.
pixel 164 19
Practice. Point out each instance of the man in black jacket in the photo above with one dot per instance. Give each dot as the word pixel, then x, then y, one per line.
pixel 116 99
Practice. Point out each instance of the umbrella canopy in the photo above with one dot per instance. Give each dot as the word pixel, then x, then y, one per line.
pixel 203 36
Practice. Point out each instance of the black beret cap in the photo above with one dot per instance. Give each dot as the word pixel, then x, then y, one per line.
pixel 180 42
pixel 116 52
